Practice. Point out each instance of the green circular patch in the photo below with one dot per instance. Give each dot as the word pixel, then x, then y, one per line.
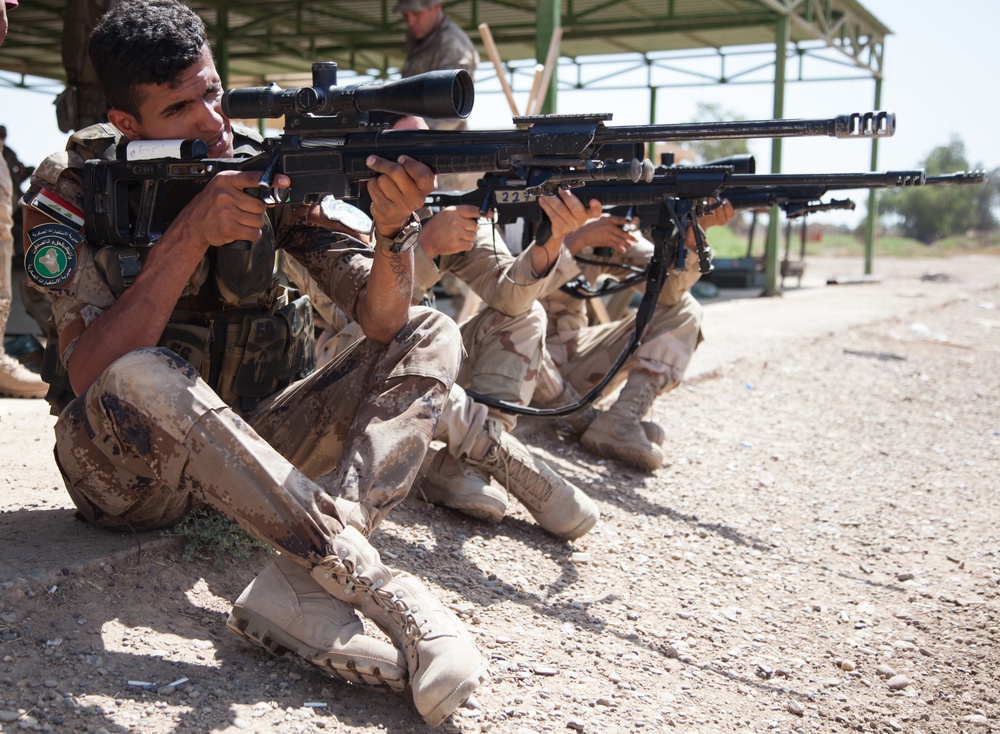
pixel 51 259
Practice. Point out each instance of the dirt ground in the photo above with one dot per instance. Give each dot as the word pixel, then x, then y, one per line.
pixel 822 555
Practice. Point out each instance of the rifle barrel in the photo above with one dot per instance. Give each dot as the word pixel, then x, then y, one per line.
pixel 855 125
pixel 959 177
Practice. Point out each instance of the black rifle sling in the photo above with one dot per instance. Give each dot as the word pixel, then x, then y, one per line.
pixel 667 233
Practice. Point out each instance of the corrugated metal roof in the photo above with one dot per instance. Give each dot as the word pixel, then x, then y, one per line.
pixel 274 39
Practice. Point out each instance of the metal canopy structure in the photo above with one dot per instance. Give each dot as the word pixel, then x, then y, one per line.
pixel 641 44
pixel 273 39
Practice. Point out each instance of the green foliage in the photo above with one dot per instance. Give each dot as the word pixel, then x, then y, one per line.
pixel 929 213
pixel 710 150
pixel 209 533
pixel 727 244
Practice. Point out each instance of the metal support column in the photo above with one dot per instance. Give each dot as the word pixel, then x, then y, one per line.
pixel 771 248
pixel 547 19
pixel 221 47
pixel 872 194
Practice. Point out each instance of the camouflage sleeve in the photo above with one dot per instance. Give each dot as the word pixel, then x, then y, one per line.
pixel 504 282
pixel 56 191
pixel 338 263
pixel 425 274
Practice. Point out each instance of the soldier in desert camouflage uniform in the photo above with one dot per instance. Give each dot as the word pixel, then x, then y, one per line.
pixel 15 379
pixel 504 343
pixel 578 354
pixel 434 42
pixel 187 363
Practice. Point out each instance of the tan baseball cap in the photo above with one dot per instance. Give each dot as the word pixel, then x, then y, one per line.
pixel 405 6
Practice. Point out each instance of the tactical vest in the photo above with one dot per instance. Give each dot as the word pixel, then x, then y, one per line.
pixel 246 334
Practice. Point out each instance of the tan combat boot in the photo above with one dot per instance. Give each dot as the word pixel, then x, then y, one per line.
pixel 445 480
pixel 557 506
pixel 580 421
pixel 444 664
pixel 17 381
pixel 618 433
pixel 285 610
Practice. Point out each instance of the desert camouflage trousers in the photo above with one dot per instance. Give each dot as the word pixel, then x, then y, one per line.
pixel 149 441
pixel 6 245
pixel 502 359
pixel 584 356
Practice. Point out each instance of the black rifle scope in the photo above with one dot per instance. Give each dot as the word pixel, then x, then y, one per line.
pixel 434 94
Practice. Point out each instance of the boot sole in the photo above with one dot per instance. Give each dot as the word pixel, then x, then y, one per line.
pixel 580 530
pixel 487 510
pixel 22 396
pixel 632 457
pixel 261 632
pixel 456 698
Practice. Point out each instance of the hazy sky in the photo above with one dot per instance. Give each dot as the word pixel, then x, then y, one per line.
pixel 942 66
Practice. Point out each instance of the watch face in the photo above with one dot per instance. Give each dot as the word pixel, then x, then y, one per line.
pixel 407 239
pixel 350 216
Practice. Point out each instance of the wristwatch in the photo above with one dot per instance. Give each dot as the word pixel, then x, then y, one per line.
pixel 405 241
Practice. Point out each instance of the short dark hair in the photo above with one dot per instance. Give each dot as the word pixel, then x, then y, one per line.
pixel 144 42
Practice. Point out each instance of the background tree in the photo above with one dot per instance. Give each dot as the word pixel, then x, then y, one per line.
pixel 710 150
pixel 931 212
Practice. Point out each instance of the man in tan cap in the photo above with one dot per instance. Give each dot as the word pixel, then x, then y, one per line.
pixel 434 42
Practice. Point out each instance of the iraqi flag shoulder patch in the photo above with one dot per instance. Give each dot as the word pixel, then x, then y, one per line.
pixel 58 208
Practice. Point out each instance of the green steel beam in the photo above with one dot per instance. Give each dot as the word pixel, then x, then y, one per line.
pixel 547 21
pixel 781 28
pixel 873 193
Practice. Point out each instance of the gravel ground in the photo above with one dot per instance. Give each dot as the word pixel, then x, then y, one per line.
pixel 822 555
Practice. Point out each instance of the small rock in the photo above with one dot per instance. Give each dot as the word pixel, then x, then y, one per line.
pixel 575 725
pixel 9 716
pixel 543 670
pixel 884 671
pixel 897 682
pixel 976 720
pixel 848 665
pixel 796 708
pixel 905 576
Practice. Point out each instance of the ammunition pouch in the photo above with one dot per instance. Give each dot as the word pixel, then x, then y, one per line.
pixel 246 355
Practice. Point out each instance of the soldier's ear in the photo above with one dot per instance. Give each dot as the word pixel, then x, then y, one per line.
pixel 125 122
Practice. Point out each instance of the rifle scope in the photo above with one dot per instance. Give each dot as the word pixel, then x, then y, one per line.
pixel 434 94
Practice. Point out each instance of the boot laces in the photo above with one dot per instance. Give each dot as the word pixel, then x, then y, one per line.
pixel 403 615
pixel 507 460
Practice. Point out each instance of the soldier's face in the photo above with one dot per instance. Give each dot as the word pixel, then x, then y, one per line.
pixel 419 23
pixel 191 108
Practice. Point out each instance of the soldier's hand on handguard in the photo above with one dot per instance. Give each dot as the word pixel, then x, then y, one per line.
pixel 224 212
pixel 567 213
pixel 398 190
pixel 451 230
pixel 607 231
pixel 719 215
